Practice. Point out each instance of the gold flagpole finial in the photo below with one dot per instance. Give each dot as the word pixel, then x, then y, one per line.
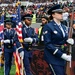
pixel 3 9
pixel 18 3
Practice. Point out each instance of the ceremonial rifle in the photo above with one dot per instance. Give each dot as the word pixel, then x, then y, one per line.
pixel 68 66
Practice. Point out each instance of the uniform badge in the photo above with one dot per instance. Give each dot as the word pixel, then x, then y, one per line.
pixel 55 32
pixel 45 32
pixel 66 31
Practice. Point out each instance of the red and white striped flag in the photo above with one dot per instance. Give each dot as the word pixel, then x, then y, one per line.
pixel 18 60
pixel 19 31
pixel 1 38
pixel 19 24
pixel 1 31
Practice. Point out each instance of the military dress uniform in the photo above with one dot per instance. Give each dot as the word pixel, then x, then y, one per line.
pixel 54 40
pixel 10 37
pixel 28 32
pixel 55 36
pixel 45 20
pixel 40 36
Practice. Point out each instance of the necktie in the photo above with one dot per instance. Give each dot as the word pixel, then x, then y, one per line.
pixel 8 30
pixel 62 30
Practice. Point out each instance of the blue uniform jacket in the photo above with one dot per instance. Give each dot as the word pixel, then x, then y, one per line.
pixel 12 36
pixel 53 36
pixel 28 32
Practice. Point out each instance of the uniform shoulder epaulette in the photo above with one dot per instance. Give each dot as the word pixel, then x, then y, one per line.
pixel 31 28
pixel 4 29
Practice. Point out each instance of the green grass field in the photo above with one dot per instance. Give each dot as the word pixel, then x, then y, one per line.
pixel 12 72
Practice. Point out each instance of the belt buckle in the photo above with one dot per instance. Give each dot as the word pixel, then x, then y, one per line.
pixel 30 48
pixel 9 46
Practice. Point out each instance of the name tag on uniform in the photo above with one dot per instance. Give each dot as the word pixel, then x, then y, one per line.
pixel 42 38
pixel 55 32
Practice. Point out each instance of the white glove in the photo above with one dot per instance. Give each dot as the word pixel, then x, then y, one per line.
pixel 70 41
pixel 1 53
pixel 7 41
pixel 65 15
pixel 30 40
pixel 66 57
pixel 22 54
pixel 2 41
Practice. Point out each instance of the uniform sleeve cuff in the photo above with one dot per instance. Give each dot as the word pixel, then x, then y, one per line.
pixel 58 53
pixel 55 52
pixel 19 49
pixel 11 41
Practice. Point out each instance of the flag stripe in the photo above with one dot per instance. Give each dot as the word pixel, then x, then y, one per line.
pixel 19 33
pixel 17 63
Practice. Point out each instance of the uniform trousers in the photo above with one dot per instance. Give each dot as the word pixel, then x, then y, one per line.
pixel 8 62
pixel 57 69
pixel 27 60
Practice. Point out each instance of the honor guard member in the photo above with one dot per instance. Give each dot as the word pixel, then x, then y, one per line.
pixel 10 37
pixel 56 35
pixel 44 20
pixel 29 38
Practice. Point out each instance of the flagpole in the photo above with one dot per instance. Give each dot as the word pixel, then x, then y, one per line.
pixel 18 27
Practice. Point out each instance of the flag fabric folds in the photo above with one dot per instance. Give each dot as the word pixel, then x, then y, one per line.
pixel 1 38
pixel 19 24
pixel 18 60
pixel 1 27
pixel 18 63
pixel 19 31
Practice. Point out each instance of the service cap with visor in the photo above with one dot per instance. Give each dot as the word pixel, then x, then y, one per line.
pixel 27 16
pixel 56 8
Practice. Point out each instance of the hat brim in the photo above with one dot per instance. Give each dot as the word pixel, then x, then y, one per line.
pixel 58 10
pixel 8 23
pixel 29 18
pixel 45 17
pixel 55 8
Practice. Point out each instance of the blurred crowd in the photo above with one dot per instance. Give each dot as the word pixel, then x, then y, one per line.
pixel 39 10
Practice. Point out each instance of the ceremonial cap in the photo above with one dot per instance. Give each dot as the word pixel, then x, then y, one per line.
pixel 8 22
pixel 55 8
pixel 27 16
pixel 46 17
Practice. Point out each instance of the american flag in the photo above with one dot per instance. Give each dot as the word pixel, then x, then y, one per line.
pixel 1 38
pixel 19 64
pixel 18 61
pixel 19 24
pixel 2 29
